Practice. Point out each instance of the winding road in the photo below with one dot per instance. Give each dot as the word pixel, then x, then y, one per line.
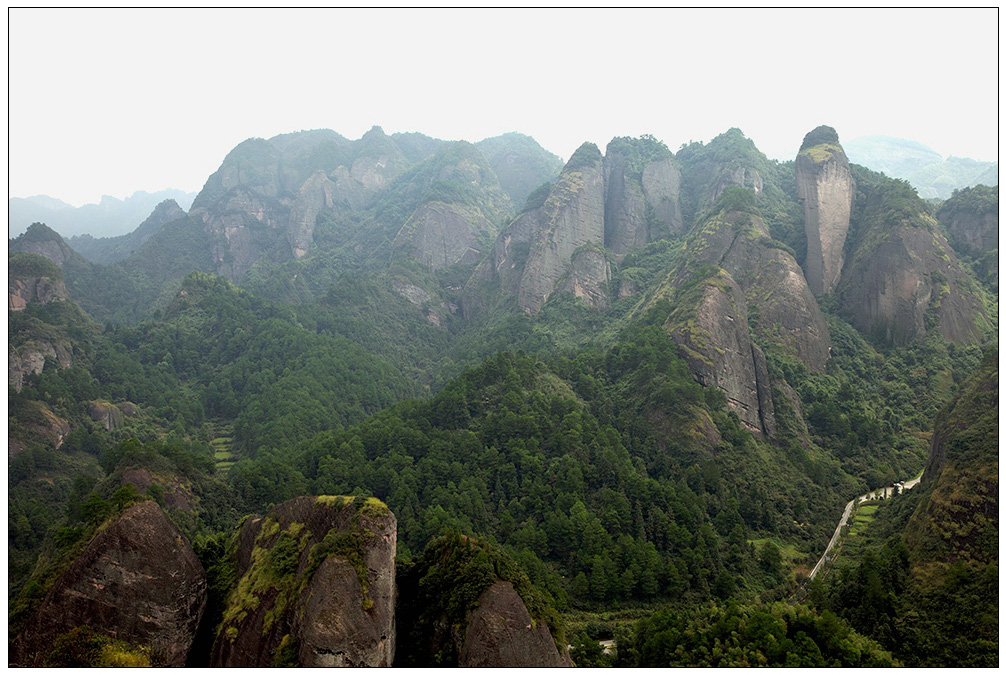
pixel 880 492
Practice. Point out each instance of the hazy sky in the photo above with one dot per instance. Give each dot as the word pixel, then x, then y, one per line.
pixel 113 101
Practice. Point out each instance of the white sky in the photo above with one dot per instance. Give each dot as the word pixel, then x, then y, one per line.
pixel 113 101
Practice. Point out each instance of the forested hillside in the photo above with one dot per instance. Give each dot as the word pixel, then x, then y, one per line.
pixel 643 380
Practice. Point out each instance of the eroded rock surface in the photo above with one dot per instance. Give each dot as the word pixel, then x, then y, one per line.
pixel 316 587
pixel 501 634
pixel 138 581
pixel 826 187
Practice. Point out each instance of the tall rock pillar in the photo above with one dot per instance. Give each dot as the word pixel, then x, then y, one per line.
pixel 825 187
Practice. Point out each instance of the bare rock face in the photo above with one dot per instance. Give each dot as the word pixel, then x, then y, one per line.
pixel 316 587
pixel 105 413
pixel 242 226
pixel 536 250
pixel 589 274
pixel 21 291
pixel 662 189
pixel 501 634
pixel 826 187
pixel 138 581
pixel 441 235
pixel 897 275
pixel 641 197
pixel 711 327
pixel 29 358
pixel 755 286
pixel 741 176
pixel 314 195
pixel 773 283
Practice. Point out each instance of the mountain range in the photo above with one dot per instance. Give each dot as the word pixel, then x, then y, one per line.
pixel 472 386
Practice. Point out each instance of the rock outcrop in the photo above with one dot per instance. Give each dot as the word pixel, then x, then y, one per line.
pixel 106 414
pixel 711 326
pixel 314 195
pixel 501 633
pixel 458 211
pixel 826 188
pixel 588 277
pixel 736 282
pixel 536 250
pixel 463 603
pixel 642 188
pixel 316 587
pixel 901 269
pixel 440 235
pixel 43 290
pixel 137 581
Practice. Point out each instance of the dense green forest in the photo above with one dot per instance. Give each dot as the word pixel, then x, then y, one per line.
pixel 575 444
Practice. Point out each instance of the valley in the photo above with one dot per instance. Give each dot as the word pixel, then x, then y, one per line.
pixel 504 404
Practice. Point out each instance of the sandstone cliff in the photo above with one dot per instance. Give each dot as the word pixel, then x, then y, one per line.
pixel 710 325
pixel 736 281
pixel 137 581
pixel 316 587
pixel 588 277
pixel 536 250
pixel 42 290
pixel 34 280
pixel 501 633
pixel 642 188
pixel 903 278
pixel 458 207
pixel 465 602
pixel 826 188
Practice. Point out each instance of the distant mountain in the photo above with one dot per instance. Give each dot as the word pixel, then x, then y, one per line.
pixel 109 249
pixel 923 167
pixel 109 218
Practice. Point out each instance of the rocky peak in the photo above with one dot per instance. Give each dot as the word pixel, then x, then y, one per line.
pixel 902 277
pixel 137 581
pixel 535 251
pixel 642 187
pixel 460 206
pixel 826 188
pixel 501 633
pixel 316 587
pixel 41 240
pixel 32 278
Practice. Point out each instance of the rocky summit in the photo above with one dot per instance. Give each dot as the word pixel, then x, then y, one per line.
pixel 137 581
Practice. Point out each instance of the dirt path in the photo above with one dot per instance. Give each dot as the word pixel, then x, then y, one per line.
pixel 884 493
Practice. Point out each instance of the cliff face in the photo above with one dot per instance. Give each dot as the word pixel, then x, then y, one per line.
pixel 710 325
pixel 501 634
pixel 316 587
pixel 137 581
pixel 958 519
pixel 639 199
pixel 459 208
pixel 43 290
pixel 825 186
pixel 31 279
pixel 737 281
pixel 536 250
pixel 901 270
pixel 588 277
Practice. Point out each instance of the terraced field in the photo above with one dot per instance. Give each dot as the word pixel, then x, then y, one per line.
pixel 221 445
